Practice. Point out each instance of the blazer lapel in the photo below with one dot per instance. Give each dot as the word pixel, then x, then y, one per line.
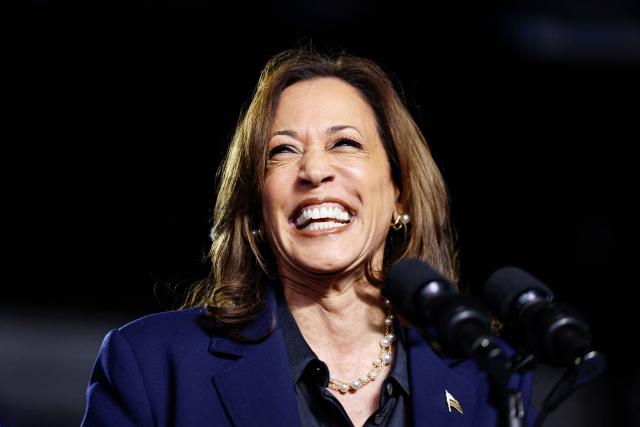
pixel 255 384
pixel 431 379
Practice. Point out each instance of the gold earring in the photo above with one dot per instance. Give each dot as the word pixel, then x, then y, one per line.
pixel 402 220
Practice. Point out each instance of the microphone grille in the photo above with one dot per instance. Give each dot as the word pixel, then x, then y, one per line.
pixel 505 285
pixel 404 280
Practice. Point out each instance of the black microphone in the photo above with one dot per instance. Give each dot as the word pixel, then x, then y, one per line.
pixel 555 333
pixel 458 323
pixel 429 301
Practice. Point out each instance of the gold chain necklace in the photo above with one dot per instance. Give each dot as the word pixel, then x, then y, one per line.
pixel 384 358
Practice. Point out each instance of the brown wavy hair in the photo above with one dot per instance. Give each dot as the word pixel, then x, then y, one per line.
pixel 233 292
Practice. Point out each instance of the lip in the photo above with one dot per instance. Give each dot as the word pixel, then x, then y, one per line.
pixel 318 201
pixel 320 233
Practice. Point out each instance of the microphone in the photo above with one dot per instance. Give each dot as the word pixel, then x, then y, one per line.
pixel 555 333
pixel 429 301
pixel 458 323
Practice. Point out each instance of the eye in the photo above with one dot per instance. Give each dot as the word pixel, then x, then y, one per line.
pixel 279 149
pixel 347 142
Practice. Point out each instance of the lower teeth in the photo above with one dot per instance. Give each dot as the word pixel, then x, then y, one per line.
pixel 322 225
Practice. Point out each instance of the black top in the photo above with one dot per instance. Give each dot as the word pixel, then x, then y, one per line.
pixel 316 405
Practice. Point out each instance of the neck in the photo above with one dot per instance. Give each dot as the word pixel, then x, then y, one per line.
pixel 335 313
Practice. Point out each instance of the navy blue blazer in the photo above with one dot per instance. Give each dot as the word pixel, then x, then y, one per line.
pixel 165 370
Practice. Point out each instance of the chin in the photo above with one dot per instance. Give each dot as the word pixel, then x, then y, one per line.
pixel 324 266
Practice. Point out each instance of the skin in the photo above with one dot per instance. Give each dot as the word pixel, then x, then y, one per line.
pixel 325 147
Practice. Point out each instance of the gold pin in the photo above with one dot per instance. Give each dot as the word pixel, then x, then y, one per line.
pixel 452 402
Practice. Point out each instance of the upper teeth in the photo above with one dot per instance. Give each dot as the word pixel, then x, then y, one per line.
pixel 323 212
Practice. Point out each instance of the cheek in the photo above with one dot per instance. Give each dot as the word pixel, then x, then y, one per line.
pixel 268 199
pixel 274 196
pixel 375 183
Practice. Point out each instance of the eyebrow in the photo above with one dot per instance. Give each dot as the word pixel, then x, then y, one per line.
pixel 329 131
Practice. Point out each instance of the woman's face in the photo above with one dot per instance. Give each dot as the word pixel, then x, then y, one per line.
pixel 328 196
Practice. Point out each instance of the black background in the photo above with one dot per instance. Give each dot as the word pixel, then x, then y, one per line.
pixel 118 117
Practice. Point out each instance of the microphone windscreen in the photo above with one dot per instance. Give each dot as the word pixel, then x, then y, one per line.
pixel 505 285
pixel 404 280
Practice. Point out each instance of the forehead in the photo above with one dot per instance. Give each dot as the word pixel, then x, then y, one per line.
pixel 323 100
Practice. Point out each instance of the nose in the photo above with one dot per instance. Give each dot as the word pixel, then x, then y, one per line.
pixel 315 168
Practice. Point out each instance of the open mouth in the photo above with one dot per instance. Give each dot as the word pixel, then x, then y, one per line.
pixel 322 217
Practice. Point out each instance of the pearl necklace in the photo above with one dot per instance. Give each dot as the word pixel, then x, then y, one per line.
pixel 383 359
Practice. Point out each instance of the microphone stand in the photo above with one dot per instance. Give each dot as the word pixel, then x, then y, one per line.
pixel 492 359
pixel 465 325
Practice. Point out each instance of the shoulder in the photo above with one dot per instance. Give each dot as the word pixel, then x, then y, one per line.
pixel 141 364
pixel 163 331
pixel 157 346
pixel 168 321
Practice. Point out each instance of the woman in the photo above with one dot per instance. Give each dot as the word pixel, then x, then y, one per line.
pixel 327 182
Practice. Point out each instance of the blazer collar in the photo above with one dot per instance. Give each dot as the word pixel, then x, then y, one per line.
pixel 431 377
pixel 254 381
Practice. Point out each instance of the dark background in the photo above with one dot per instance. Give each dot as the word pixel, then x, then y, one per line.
pixel 118 116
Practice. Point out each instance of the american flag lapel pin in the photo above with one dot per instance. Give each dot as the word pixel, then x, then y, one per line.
pixel 452 402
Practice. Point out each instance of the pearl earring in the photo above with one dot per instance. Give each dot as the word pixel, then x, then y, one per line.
pixel 402 220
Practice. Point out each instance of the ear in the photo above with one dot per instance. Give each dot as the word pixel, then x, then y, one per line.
pixel 396 195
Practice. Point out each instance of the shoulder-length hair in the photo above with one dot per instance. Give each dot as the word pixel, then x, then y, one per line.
pixel 233 293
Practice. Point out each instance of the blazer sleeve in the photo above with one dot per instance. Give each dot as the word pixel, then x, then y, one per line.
pixel 116 395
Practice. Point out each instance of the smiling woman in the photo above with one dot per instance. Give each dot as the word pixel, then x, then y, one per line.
pixel 320 172
pixel 271 132
pixel 327 182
